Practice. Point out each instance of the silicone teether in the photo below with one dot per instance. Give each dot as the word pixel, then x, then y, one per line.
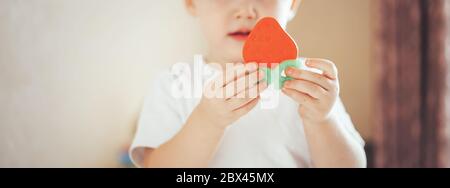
pixel 271 45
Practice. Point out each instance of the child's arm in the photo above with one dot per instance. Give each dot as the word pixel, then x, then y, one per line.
pixel 331 145
pixel 192 147
pixel 196 143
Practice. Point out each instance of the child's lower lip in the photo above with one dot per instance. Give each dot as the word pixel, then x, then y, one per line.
pixel 239 37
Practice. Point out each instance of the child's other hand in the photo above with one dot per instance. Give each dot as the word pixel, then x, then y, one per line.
pixel 232 95
pixel 316 93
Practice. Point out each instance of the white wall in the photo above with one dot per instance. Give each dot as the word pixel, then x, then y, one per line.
pixel 73 74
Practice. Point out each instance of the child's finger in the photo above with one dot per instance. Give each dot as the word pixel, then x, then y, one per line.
pixel 328 67
pixel 310 76
pixel 237 71
pixel 306 87
pixel 228 89
pixel 240 84
pixel 301 98
pixel 250 94
pixel 231 72
pixel 249 81
pixel 247 107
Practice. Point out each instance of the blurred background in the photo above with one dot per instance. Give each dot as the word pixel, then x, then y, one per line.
pixel 73 74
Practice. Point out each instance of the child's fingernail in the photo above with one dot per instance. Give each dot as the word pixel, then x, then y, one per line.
pixel 289 70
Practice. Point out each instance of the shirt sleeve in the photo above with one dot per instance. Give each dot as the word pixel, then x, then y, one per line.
pixel 159 121
pixel 346 120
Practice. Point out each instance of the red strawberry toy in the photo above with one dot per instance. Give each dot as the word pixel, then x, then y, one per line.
pixel 269 44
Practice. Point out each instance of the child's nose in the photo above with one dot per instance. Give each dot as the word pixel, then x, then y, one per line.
pixel 246 12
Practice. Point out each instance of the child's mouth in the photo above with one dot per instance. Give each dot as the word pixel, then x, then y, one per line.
pixel 240 35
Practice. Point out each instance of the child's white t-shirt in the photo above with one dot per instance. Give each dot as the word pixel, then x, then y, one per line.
pixel 264 138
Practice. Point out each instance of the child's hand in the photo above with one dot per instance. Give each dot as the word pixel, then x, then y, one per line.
pixel 232 95
pixel 316 93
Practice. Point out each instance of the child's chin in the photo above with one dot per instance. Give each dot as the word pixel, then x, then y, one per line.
pixel 236 57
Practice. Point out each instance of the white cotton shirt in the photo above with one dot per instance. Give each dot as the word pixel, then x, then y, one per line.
pixel 264 138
